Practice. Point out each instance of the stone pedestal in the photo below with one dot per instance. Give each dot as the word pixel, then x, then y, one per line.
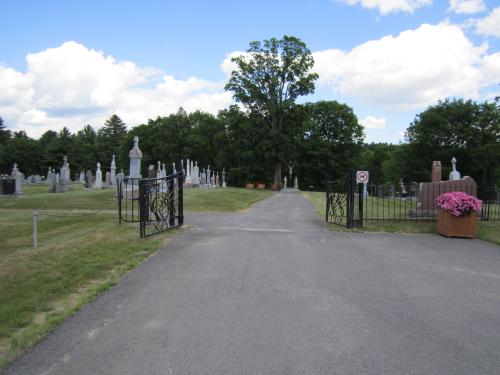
pixel 436 171
pixel 135 156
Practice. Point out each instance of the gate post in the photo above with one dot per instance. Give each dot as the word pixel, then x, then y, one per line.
pixel 171 202
pixel 143 207
pixel 360 204
pixel 351 186
pixel 180 199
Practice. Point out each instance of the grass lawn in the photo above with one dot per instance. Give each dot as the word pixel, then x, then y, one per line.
pixel 36 197
pixel 487 230
pixel 81 252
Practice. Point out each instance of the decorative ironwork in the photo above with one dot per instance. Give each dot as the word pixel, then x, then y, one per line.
pixel 336 203
pixel 155 203
pixel 161 204
pixel 344 203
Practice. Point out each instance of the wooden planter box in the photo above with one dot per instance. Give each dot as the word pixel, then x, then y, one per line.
pixel 457 226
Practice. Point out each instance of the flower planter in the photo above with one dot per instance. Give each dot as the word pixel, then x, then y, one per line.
pixel 457 226
pixel 261 186
pixel 249 186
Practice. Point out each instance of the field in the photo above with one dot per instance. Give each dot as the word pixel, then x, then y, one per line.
pixel 488 231
pixel 81 252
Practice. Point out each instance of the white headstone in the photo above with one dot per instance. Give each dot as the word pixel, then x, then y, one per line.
pixel 223 178
pixel 135 156
pixel 19 178
pixel 285 182
pixel 296 183
pixel 454 174
pixel 98 177
pixel 113 171
pixel 196 175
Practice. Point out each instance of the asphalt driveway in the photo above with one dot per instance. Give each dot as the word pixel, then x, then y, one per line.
pixel 272 291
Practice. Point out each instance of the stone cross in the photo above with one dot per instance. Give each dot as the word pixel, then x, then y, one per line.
pixel 454 174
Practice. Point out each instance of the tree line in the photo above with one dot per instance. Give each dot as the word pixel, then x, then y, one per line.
pixel 259 142
pixel 323 141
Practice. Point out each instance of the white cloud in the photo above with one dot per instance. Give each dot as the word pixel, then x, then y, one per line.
pixel 72 85
pixel 466 6
pixel 411 70
pixel 491 68
pixel 490 25
pixel 371 122
pixel 390 6
pixel 227 66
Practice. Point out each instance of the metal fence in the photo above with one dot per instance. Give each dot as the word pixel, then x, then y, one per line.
pixel 157 204
pixel 416 201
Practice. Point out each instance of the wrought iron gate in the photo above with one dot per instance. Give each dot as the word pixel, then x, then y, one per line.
pixel 344 202
pixel 156 203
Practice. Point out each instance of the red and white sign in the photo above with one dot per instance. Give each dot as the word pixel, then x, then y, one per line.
pixel 362 177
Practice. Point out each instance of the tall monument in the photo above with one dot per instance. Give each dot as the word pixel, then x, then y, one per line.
pixel 135 156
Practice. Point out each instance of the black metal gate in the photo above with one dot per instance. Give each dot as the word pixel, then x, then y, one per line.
pixel 156 203
pixel 344 202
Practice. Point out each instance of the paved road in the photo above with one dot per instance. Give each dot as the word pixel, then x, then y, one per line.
pixel 271 291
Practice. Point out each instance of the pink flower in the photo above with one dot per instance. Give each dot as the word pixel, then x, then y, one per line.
pixel 458 203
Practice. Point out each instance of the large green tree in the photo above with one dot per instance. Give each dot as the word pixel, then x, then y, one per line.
pixel 467 130
pixel 268 80
pixel 331 144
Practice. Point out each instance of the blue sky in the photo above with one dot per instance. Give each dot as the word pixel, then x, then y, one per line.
pixel 68 63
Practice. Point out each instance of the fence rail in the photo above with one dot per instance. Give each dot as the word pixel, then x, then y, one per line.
pixel 415 201
pixel 155 203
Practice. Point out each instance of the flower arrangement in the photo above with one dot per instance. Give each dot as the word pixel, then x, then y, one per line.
pixel 458 203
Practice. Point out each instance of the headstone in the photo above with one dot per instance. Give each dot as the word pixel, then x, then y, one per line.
pixel 120 176
pixel 98 177
pixel 436 171
pixel 173 169
pixel 285 182
pixel 454 174
pixel 151 171
pixel 135 156
pixel 203 179
pixel 380 191
pixel 189 179
pixel 88 179
pixel 223 178
pixel 402 189
pixel 158 170
pixel 217 180
pixel 212 180
pixel 392 191
pixel 108 179
pixel 19 179
pixel 196 175
pixel 163 171
pixel 207 177
pixel 38 179
pixel 82 177
pixel 49 176
pixel 296 183
pixel 64 174
pixel 113 171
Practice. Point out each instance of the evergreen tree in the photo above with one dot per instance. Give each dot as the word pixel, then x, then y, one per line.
pixel 110 138
pixel 4 133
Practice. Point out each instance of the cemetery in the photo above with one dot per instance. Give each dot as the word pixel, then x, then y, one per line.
pixel 241 214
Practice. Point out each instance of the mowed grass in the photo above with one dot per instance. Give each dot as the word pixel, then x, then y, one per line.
pixel 36 197
pixel 78 256
pixel 82 251
pixel 487 231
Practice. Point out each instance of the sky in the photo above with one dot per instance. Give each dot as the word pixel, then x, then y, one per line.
pixel 71 63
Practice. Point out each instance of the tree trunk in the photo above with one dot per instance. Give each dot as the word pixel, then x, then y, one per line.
pixel 277 173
